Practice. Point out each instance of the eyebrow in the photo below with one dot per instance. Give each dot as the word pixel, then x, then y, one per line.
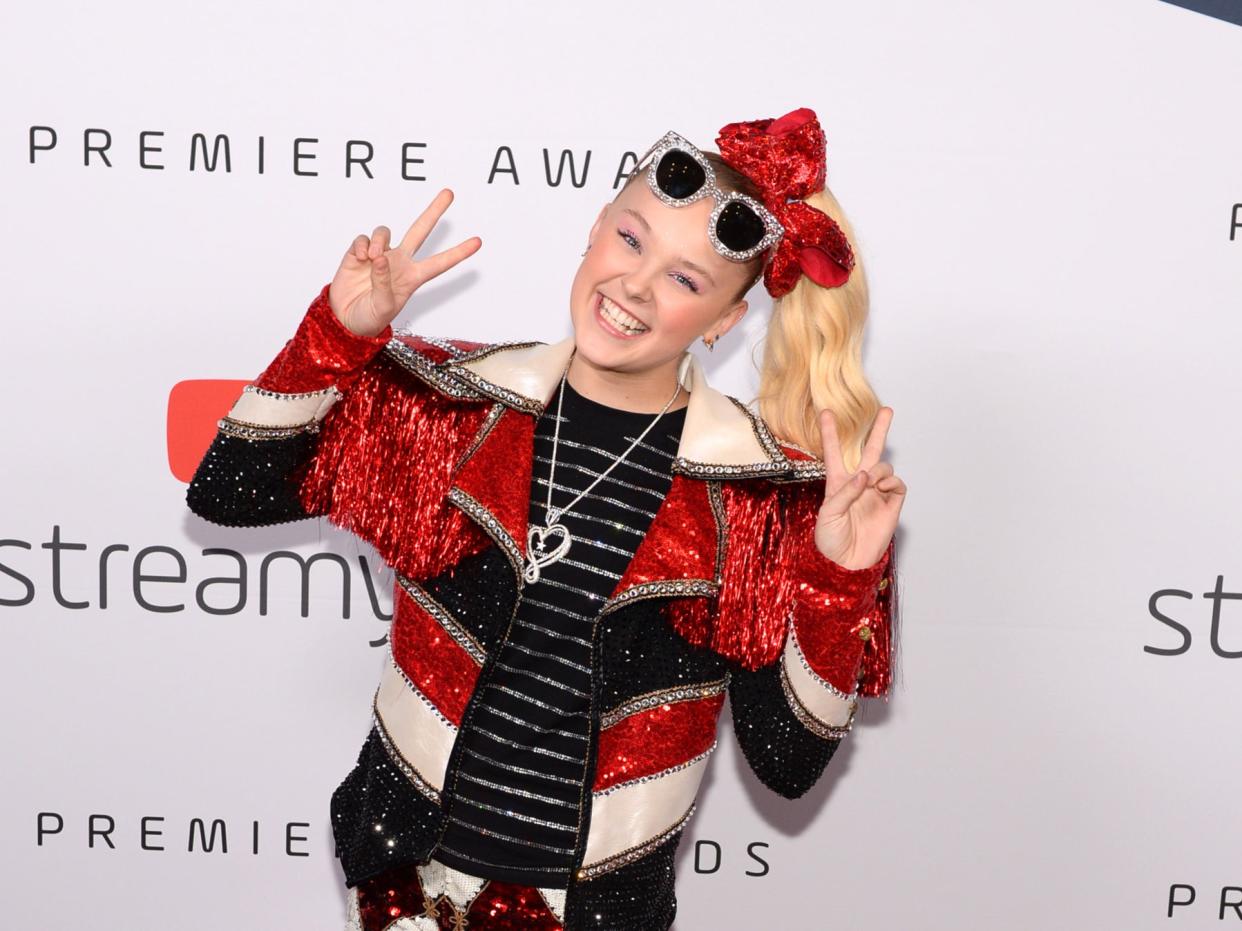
pixel 693 266
pixel 637 216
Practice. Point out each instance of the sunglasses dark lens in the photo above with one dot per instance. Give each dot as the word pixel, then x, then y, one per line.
pixel 739 227
pixel 678 175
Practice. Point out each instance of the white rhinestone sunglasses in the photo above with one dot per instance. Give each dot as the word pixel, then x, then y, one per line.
pixel 678 173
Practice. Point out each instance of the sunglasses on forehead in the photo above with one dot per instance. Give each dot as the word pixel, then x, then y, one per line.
pixel 739 228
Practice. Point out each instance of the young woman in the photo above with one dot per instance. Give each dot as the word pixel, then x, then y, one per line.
pixel 592 547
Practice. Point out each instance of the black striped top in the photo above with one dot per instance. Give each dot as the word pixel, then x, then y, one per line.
pixel 514 809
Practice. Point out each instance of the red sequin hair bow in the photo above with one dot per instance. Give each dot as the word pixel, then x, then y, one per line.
pixel 785 159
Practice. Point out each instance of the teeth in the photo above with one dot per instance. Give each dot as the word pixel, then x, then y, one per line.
pixel 619 318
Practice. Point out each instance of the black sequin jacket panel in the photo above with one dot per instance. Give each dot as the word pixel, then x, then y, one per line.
pixel 423 448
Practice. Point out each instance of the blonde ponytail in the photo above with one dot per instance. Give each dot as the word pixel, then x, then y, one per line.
pixel 812 357
pixel 812 353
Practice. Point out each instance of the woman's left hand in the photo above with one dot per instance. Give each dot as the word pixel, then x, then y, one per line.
pixel 859 514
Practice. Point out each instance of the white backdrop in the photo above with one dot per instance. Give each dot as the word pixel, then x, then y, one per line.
pixel 1043 196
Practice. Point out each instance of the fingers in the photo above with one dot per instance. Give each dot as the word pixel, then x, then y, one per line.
pixel 443 261
pixel 379 242
pixel 891 484
pixel 382 298
pixel 879 472
pixel 840 501
pixel 834 465
pixel 882 479
pixel 874 447
pixel 358 248
pixel 413 239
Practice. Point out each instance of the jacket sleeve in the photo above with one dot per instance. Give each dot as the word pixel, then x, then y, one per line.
pixel 251 474
pixel 791 715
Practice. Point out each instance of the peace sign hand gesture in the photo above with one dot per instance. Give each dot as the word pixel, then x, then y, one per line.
pixel 374 282
pixel 860 510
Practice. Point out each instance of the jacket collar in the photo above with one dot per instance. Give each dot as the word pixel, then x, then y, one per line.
pixel 683 552
pixel 721 438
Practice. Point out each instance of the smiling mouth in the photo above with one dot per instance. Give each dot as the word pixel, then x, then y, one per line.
pixel 621 321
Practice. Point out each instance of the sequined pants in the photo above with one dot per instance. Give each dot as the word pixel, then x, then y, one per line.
pixel 434 897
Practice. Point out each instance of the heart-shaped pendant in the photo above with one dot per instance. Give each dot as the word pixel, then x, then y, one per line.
pixel 537 553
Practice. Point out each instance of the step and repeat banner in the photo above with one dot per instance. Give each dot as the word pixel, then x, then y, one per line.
pixel 1048 203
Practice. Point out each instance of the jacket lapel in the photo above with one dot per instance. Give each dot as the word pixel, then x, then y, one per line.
pixel 683 550
pixel 492 483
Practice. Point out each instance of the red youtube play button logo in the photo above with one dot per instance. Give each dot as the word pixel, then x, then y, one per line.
pixel 193 408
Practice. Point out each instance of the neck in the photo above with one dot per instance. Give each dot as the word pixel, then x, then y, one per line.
pixel 641 392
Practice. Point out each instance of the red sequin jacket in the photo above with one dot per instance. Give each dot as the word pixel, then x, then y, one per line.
pixel 423 447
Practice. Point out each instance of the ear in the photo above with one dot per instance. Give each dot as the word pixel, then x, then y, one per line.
pixel 730 318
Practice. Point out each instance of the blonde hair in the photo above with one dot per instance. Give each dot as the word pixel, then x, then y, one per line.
pixel 812 353
pixel 812 357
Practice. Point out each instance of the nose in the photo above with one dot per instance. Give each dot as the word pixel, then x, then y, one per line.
pixel 637 284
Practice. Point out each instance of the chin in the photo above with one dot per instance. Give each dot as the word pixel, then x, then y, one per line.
pixel 600 355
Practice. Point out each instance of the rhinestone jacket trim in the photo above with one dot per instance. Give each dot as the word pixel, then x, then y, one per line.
pixel 662 697
pixel 490 524
pixel 807 468
pixel 664 588
pixel 283 396
pixel 493 415
pixel 793 638
pixel 716 498
pixel 809 721
pixel 484 351
pixel 661 774
pixel 446 620
pixel 762 433
pixel 637 852
pixel 483 386
pixel 715 470
pixel 245 430
pixel 445 344
pixel 423 368
pixel 406 767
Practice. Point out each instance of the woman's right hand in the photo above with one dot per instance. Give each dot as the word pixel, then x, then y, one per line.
pixel 374 282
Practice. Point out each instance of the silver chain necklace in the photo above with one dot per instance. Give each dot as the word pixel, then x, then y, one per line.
pixel 538 555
